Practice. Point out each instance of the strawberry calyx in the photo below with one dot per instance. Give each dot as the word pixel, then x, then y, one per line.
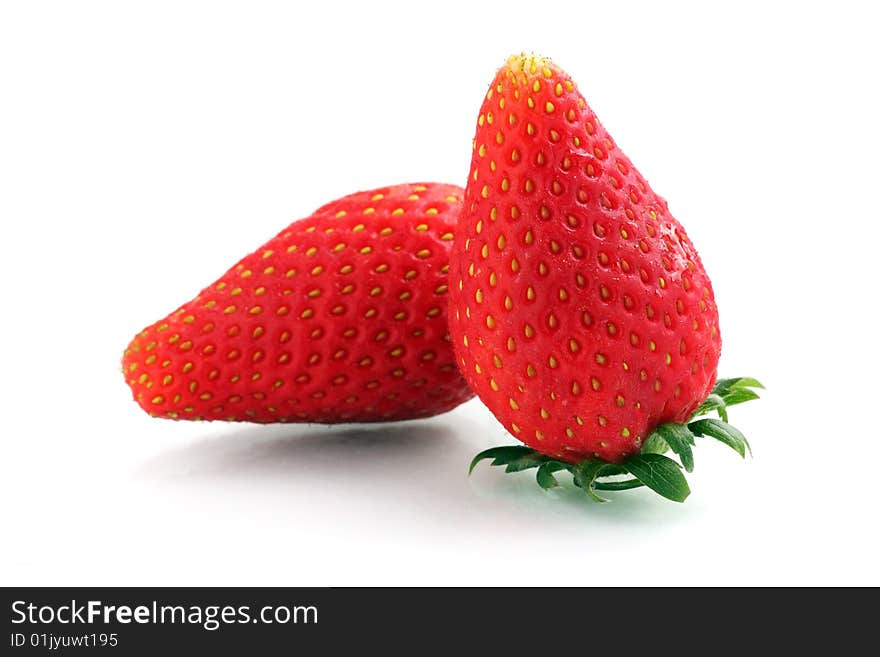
pixel 651 467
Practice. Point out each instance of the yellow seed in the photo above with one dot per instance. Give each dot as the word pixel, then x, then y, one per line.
pixel 513 404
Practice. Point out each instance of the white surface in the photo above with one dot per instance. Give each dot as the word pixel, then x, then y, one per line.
pixel 145 147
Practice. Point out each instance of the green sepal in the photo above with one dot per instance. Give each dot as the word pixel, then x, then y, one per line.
pixel 680 439
pixel 654 444
pixel 624 484
pixel 713 403
pixel 501 455
pixel 659 473
pixel 739 396
pixel 723 385
pixel 648 468
pixel 585 474
pixel 722 431
pixel 736 391
pixel 525 462
pixel 544 475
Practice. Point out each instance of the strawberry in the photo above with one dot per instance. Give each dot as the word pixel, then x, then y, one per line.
pixel 580 311
pixel 341 317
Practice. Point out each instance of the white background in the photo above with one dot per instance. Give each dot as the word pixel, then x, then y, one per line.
pixel 144 147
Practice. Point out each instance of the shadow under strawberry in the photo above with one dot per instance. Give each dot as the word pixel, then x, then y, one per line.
pixel 284 450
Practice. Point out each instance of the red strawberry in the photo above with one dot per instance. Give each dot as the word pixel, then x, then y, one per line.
pixel 580 311
pixel 339 318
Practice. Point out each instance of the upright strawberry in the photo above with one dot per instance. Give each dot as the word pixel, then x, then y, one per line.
pixel 339 318
pixel 580 311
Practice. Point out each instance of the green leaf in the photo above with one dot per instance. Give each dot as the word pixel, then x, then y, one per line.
pixel 725 385
pixel 501 455
pixel 524 462
pixel 679 438
pixel 726 433
pixel 747 382
pixel 738 396
pixel 544 475
pixel 661 474
pixel 713 403
pixel 625 484
pixel 585 474
pixel 609 470
pixel 654 444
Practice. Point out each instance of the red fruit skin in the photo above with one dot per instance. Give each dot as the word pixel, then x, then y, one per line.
pixel 580 312
pixel 339 318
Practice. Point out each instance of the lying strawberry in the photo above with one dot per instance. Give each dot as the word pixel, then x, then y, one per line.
pixel 339 318
pixel 580 311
